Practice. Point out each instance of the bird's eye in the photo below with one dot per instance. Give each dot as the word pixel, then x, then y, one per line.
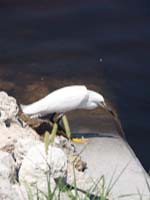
pixel 102 102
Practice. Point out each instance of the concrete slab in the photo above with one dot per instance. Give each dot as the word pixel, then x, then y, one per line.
pixel 111 156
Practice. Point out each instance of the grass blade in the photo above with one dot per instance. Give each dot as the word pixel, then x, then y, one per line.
pixel 66 126
pixel 46 141
pixel 53 133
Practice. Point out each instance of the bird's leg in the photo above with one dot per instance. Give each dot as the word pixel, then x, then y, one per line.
pixel 52 117
pixel 59 117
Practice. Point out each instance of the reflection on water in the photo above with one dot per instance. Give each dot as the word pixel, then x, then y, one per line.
pixel 103 45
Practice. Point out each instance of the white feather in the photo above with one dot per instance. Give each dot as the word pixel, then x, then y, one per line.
pixel 61 100
pixel 64 100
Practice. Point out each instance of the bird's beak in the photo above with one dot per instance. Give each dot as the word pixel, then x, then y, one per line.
pixel 107 108
pixel 110 111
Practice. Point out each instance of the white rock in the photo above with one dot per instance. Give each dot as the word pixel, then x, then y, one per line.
pixel 82 181
pixel 22 146
pixel 21 191
pixel 7 167
pixel 38 191
pixel 7 177
pixel 37 166
pixel 8 107
pixel 10 126
pixel 7 192
pixel 10 136
pixel 64 143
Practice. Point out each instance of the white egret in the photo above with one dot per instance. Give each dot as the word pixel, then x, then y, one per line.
pixel 65 99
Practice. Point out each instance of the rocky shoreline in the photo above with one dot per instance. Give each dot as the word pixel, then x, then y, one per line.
pixel 23 159
pixel 25 166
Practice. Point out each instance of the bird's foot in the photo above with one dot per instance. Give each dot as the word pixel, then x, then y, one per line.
pixel 81 140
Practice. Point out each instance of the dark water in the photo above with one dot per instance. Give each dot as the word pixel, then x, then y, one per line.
pixel 103 44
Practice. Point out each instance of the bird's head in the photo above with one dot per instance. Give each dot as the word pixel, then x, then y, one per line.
pixel 98 100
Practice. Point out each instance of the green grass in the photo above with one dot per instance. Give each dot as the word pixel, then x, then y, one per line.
pixel 99 191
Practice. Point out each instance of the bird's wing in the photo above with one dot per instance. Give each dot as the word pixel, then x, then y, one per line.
pixel 61 100
pixel 67 98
